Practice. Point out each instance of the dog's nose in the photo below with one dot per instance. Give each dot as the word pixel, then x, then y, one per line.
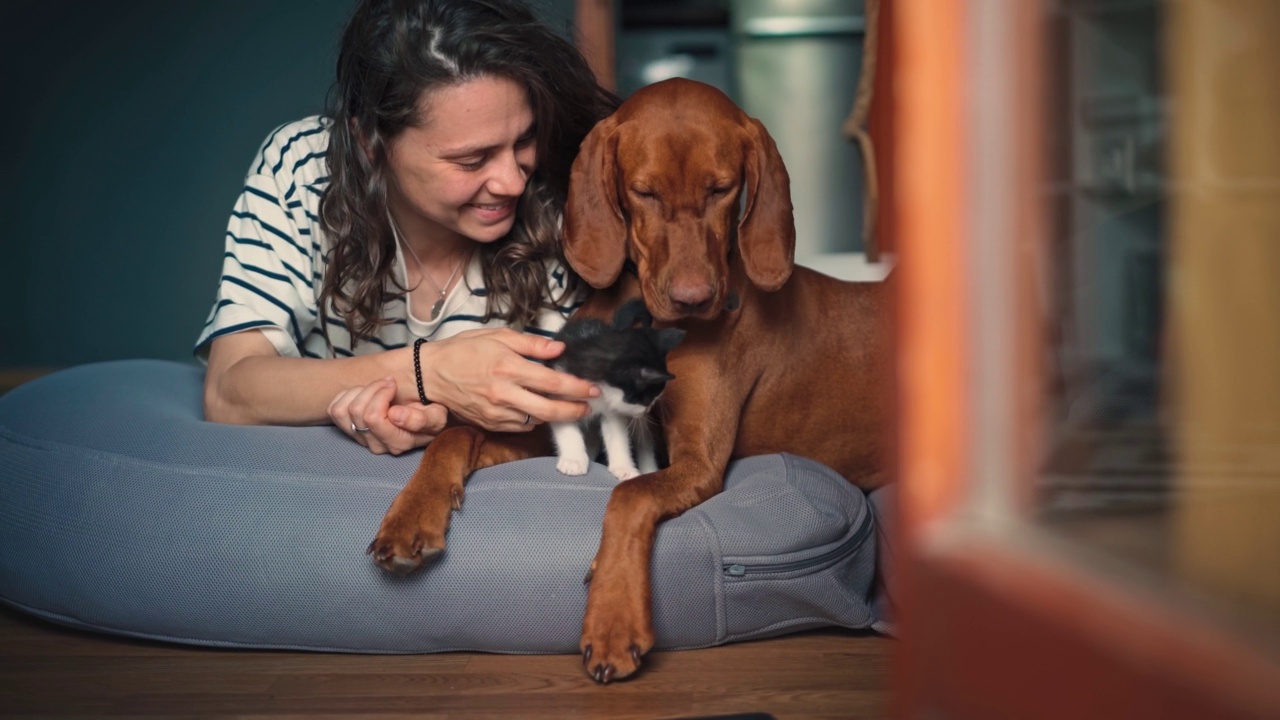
pixel 691 297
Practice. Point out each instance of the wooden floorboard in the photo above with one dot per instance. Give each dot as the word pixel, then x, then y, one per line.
pixel 47 670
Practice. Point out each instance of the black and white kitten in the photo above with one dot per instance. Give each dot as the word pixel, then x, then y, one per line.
pixel 628 361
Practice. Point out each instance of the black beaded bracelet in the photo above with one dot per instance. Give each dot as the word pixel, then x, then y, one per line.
pixel 417 369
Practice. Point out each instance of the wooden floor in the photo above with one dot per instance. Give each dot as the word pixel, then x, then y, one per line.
pixel 47 670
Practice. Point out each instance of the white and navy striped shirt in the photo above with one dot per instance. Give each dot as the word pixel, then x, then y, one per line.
pixel 276 258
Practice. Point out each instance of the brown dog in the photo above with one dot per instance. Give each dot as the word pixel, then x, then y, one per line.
pixel 775 359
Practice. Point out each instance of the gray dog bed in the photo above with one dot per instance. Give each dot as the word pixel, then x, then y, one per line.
pixel 122 511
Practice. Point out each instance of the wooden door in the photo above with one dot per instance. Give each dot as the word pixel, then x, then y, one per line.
pixel 1020 194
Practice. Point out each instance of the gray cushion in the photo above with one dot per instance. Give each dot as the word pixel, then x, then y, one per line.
pixel 122 511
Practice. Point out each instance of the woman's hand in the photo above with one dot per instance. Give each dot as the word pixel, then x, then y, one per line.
pixel 366 414
pixel 490 378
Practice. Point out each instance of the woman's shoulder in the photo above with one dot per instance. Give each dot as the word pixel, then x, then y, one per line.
pixel 295 149
pixel 563 293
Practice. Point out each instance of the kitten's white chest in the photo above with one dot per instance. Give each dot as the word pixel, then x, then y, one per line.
pixel 612 401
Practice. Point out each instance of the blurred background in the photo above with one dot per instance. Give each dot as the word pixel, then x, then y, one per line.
pixel 130 130
pixel 1088 210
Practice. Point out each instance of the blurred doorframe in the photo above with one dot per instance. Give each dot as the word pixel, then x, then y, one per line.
pixel 1000 620
pixel 596 26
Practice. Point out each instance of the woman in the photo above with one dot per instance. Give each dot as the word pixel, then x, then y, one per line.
pixel 382 260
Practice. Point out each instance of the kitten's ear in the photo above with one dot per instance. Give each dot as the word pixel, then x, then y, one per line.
pixel 654 376
pixel 632 312
pixel 669 338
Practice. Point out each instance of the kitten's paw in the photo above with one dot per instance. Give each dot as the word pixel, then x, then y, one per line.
pixel 573 466
pixel 624 472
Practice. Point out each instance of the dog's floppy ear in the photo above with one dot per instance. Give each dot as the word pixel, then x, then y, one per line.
pixel 767 231
pixel 594 232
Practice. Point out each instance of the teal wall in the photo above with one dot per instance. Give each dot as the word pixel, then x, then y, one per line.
pixel 127 131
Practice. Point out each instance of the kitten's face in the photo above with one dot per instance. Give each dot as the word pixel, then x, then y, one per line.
pixel 641 374
pixel 628 363
pixel 647 384
pixel 636 390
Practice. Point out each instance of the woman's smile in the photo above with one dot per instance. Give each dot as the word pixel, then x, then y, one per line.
pixel 489 212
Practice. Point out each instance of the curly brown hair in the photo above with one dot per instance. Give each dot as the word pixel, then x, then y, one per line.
pixel 394 50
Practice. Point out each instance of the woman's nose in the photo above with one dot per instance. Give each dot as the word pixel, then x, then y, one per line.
pixel 512 172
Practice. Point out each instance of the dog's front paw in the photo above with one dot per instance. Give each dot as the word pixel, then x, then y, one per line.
pixel 616 629
pixel 412 535
pixel 573 465
pixel 612 646
pixel 402 559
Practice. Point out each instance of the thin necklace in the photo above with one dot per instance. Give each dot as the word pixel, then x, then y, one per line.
pixel 438 307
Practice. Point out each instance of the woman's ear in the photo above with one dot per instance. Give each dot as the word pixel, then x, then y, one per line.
pixel 767 230
pixel 594 231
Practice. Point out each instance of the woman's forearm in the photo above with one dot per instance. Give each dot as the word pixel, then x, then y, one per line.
pixel 256 388
pixel 491 378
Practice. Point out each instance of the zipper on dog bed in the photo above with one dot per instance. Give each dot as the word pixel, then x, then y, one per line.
pixel 737 570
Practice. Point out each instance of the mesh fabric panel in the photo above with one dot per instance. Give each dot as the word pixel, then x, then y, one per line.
pixel 122 511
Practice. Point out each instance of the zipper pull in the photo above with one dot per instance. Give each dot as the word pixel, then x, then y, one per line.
pixel 735 570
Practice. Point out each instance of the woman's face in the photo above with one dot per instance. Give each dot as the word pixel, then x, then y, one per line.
pixel 459 174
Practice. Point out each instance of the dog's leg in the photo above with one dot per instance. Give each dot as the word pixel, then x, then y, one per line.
pixel 617 629
pixel 413 530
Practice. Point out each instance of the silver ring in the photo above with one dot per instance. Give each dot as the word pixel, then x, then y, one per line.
pixel 359 429
pixel 528 419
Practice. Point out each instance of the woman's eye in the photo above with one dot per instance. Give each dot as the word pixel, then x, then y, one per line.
pixel 470 165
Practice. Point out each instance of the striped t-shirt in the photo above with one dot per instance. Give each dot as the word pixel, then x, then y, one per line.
pixel 276 258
